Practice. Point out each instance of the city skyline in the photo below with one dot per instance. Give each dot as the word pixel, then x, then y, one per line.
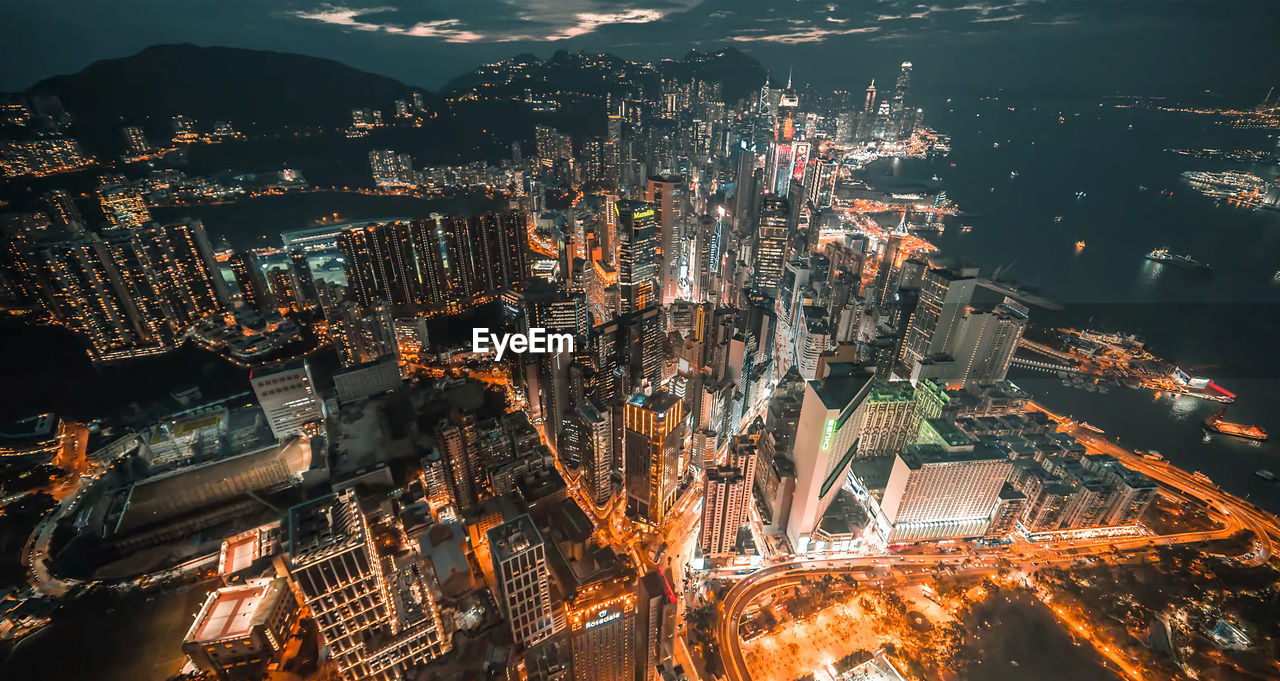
pixel 914 365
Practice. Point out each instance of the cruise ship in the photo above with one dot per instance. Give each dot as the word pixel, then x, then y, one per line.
pixel 1163 256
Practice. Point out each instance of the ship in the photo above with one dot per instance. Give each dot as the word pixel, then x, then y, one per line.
pixel 1164 257
pixel 1217 424
pixel 1266 475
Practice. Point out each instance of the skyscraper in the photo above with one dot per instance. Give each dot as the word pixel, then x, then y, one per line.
pixel 771 245
pixel 637 256
pixel 375 612
pixel 654 436
pixel 524 589
pixel 378 260
pixel 251 281
pixel 460 442
pixel 602 632
pixel 726 498
pixel 663 193
pixel 589 434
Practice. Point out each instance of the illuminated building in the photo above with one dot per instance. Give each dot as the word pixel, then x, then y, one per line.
pixel 589 437
pixel 637 256
pixel 251 282
pixel 375 612
pixel 42 156
pixel 288 397
pixel 664 194
pixel 988 341
pixel 934 493
pixel 182 260
pixel 945 295
pixel 241 629
pixel 655 625
pixel 280 284
pixel 135 141
pixel 825 445
pixel 771 244
pixel 891 414
pixel 727 493
pixel 304 283
pixel 641 344
pixel 106 291
pixel 378 261
pixel 869 106
pixel 391 169
pixel 654 437
pixel 62 208
pixel 813 338
pixel 361 334
pixel 524 583
pixel 602 633
pixel 459 440
pixel 124 207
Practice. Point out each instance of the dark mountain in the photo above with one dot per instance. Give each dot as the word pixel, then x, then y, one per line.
pixel 738 73
pixel 256 90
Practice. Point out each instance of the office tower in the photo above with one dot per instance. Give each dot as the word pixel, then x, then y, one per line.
pixel 825 445
pixel 637 256
pixel 589 434
pixel 602 632
pixel 654 436
pixel 251 282
pixel 288 397
pixel 608 231
pixel 378 261
pixel 988 341
pixel 771 245
pixel 459 440
pixel 123 206
pixel 612 153
pixel 726 498
pixel 900 88
pixel 655 626
pixel 641 345
pixel 869 106
pixel 391 169
pixel 664 194
pixel 241 629
pixel 524 589
pixel 945 294
pixel 813 338
pixel 375 613
pixel 891 416
pixel 180 255
pixel 547 307
pixel 934 493
pixel 80 283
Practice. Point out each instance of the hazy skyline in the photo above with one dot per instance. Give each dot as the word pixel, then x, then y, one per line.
pixel 1085 47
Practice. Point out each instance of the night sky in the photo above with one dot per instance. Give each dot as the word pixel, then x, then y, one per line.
pixel 1062 47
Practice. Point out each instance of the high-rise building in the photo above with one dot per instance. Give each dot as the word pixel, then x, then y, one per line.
pixel 123 206
pixel 460 441
pixel 288 397
pixel 655 626
pixel 602 632
pixel 638 243
pixel 654 436
pixel 664 193
pixel 825 445
pixel 726 498
pixel 392 169
pixel 589 437
pixel 378 260
pixel 771 245
pixel 251 281
pixel 181 258
pixel 934 493
pixel 988 341
pixel 945 295
pixel 524 583
pixel 375 612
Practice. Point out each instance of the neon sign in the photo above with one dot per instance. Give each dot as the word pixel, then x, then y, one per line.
pixel 827 432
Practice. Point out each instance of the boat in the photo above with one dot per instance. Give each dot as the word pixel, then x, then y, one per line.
pixel 1218 424
pixel 1081 195
pixel 1057 218
pixel 1013 174
pixel 1079 245
pixel 1277 275
pixel 966 228
pixel 1266 475
pixel 1164 257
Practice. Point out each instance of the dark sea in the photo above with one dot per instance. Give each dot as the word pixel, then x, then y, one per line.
pixel 1224 325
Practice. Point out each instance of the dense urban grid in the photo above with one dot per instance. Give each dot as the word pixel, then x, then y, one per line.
pixel 770 411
